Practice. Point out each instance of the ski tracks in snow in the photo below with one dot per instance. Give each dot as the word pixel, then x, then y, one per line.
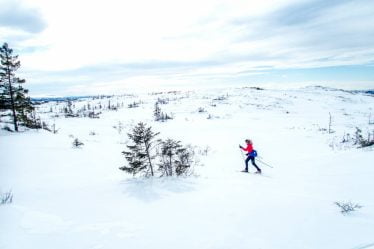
pixel 371 245
pixel 37 222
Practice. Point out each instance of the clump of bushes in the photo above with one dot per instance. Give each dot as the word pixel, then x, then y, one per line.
pixel 6 198
pixel 347 207
pixel 77 143
pixel 134 105
pixel 174 158
pixel 358 139
pixel 201 109
pixel 361 141
pixel 159 115
pixel 151 157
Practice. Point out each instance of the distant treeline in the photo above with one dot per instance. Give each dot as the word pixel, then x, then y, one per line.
pixel 370 92
pixel 66 98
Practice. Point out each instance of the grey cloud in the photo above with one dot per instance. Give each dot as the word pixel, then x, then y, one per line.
pixel 304 17
pixel 304 13
pixel 16 16
pixel 327 29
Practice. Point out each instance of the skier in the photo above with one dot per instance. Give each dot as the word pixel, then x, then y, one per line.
pixel 250 156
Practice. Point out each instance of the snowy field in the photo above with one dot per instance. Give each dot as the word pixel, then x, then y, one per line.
pixel 77 198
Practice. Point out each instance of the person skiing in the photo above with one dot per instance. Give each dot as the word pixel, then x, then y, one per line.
pixel 250 156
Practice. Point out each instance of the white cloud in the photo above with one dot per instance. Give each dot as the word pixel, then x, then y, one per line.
pixel 92 42
pixel 135 31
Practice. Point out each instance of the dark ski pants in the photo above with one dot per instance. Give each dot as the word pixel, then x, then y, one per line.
pixel 253 163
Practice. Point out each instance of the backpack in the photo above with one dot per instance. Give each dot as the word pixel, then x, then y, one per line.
pixel 253 153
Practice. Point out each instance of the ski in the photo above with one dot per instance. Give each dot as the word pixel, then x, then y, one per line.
pixel 254 173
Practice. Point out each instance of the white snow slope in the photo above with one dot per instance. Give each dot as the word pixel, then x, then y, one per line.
pixel 64 197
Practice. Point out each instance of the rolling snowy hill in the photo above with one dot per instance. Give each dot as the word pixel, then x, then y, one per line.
pixel 65 197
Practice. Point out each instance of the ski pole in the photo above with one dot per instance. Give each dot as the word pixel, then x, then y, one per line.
pixel 241 152
pixel 264 163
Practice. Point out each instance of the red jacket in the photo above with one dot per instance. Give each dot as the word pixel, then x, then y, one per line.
pixel 249 148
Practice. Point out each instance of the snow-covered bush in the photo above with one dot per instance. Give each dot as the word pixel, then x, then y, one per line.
pixel 175 159
pixel 77 143
pixel 162 101
pixel 54 130
pixel 256 88
pixel 119 127
pixel 204 151
pixel 354 139
pixel 164 117
pixel 93 114
pixel 360 139
pixel 6 197
pixel 201 110
pixel 133 105
pixel 210 116
pixel 45 126
pixel 220 98
pixel 157 112
pixel 68 110
pixel 330 123
pixel 347 207
pixel 371 122
pixel 159 115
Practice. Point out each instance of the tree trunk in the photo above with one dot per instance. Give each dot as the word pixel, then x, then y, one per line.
pixel 12 101
pixel 148 156
pixel 170 165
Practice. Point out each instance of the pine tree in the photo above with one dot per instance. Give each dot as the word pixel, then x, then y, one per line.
pixel 185 160
pixel 174 158
pixel 13 96
pixel 157 112
pixel 168 152
pixel 139 155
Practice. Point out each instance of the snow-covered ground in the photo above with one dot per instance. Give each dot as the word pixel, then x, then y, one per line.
pixel 65 197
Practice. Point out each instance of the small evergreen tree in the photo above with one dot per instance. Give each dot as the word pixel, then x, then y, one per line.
pixel 358 136
pixel 68 109
pixel 157 112
pixel 13 96
pixel 168 152
pixel 174 158
pixel 77 143
pixel 360 139
pixel 159 115
pixel 139 155
pixel 185 160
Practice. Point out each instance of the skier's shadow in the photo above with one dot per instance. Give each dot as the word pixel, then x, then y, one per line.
pixel 153 189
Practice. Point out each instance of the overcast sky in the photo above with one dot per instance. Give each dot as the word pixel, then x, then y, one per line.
pixel 88 46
